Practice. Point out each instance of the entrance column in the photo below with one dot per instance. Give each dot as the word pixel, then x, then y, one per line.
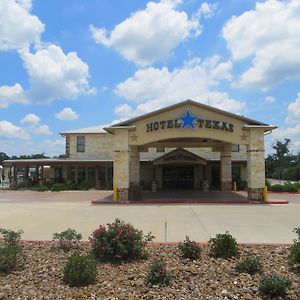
pixel 256 164
pixel 135 189
pixel 121 164
pixel 226 176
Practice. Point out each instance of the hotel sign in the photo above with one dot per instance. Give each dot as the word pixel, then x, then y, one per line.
pixel 191 121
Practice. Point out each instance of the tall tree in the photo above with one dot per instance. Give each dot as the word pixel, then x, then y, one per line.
pixel 3 156
pixel 282 148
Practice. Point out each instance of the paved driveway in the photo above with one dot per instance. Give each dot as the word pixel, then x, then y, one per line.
pixel 42 214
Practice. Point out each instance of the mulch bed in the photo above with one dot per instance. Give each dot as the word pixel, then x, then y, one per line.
pixel 206 278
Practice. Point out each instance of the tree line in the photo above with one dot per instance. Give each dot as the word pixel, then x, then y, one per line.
pixel 4 156
pixel 283 164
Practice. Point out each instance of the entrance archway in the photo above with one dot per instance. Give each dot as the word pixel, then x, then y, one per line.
pixel 188 125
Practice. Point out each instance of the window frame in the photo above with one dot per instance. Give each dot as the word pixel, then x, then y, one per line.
pixel 80 143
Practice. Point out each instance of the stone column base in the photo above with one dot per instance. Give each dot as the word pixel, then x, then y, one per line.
pixel 205 186
pixel 135 191
pixel 226 186
pixel 255 194
pixel 122 194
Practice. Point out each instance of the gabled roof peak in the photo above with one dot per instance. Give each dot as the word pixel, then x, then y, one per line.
pixel 190 102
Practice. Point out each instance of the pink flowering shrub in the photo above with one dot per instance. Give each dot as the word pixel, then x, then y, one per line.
pixel 158 274
pixel 119 241
pixel 189 249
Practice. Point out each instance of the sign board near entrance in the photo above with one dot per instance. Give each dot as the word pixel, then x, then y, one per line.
pixel 191 121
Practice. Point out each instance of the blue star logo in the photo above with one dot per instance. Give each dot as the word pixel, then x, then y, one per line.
pixel 188 120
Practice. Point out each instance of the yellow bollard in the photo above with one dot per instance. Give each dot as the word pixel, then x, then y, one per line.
pixel 234 186
pixel 265 193
pixel 115 194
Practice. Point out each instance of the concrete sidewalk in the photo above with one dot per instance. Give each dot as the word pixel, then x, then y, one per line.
pixel 42 214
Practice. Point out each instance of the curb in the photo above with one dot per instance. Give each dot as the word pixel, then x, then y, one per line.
pixel 168 243
pixel 277 202
pixel 284 193
pixel 95 202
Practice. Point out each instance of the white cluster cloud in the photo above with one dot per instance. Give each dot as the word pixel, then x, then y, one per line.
pixel 292 131
pixel 269 35
pixel 207 10
pixel 153 88
pixel 9 130
pixel 55 75
pixel 67 114
pixel 151 34
pixel 32 126
pixel 270 99
pixel 31 119
pixel 19 29
pixel 294 112
pixel 42 130
pixel 52 73
pixel 12 94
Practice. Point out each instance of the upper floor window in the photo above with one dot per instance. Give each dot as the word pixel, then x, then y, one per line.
pixel 235 148
pixel 81 144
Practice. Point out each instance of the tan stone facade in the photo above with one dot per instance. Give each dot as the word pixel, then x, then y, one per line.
pixel 187 145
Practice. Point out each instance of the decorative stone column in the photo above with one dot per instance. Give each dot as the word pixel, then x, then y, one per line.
pixel 226 176
pixel 256 165
pixel 135 192
pixel 121 164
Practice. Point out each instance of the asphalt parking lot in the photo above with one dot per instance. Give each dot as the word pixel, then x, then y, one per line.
pixel 39 215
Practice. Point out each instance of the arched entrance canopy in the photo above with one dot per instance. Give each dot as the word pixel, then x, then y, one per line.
pixel 181 124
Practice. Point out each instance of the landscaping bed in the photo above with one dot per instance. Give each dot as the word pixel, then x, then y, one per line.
pixel 41 276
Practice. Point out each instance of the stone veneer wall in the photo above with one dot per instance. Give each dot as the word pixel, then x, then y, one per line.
pixel 97 145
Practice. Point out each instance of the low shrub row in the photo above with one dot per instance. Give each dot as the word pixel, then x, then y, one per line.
pixel 120 241
pixel 286 187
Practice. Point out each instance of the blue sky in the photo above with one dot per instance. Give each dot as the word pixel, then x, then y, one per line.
pixel 74 64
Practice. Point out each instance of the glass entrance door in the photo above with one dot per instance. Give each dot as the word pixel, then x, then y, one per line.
pixel 178 177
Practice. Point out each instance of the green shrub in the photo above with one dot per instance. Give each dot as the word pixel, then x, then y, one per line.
pixel 287 187
pixel 67 238
pixel 73 186
pixel 290 187
pixel 10 237
pixel 241 185
pixel 8 258
pixel 85 185
pixel 21 185
pixel 80 270
pixel 223 245
pixel 189 249
pixel 294 255
pixel 277 188
pixel 39 188
pixel 158 274
pixel 250 265
pixel 11 254
pixel 297 231
pixel 274 285
pixel 57 187
pixel 119 241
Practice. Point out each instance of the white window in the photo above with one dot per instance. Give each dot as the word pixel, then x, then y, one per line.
pixel 81 144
